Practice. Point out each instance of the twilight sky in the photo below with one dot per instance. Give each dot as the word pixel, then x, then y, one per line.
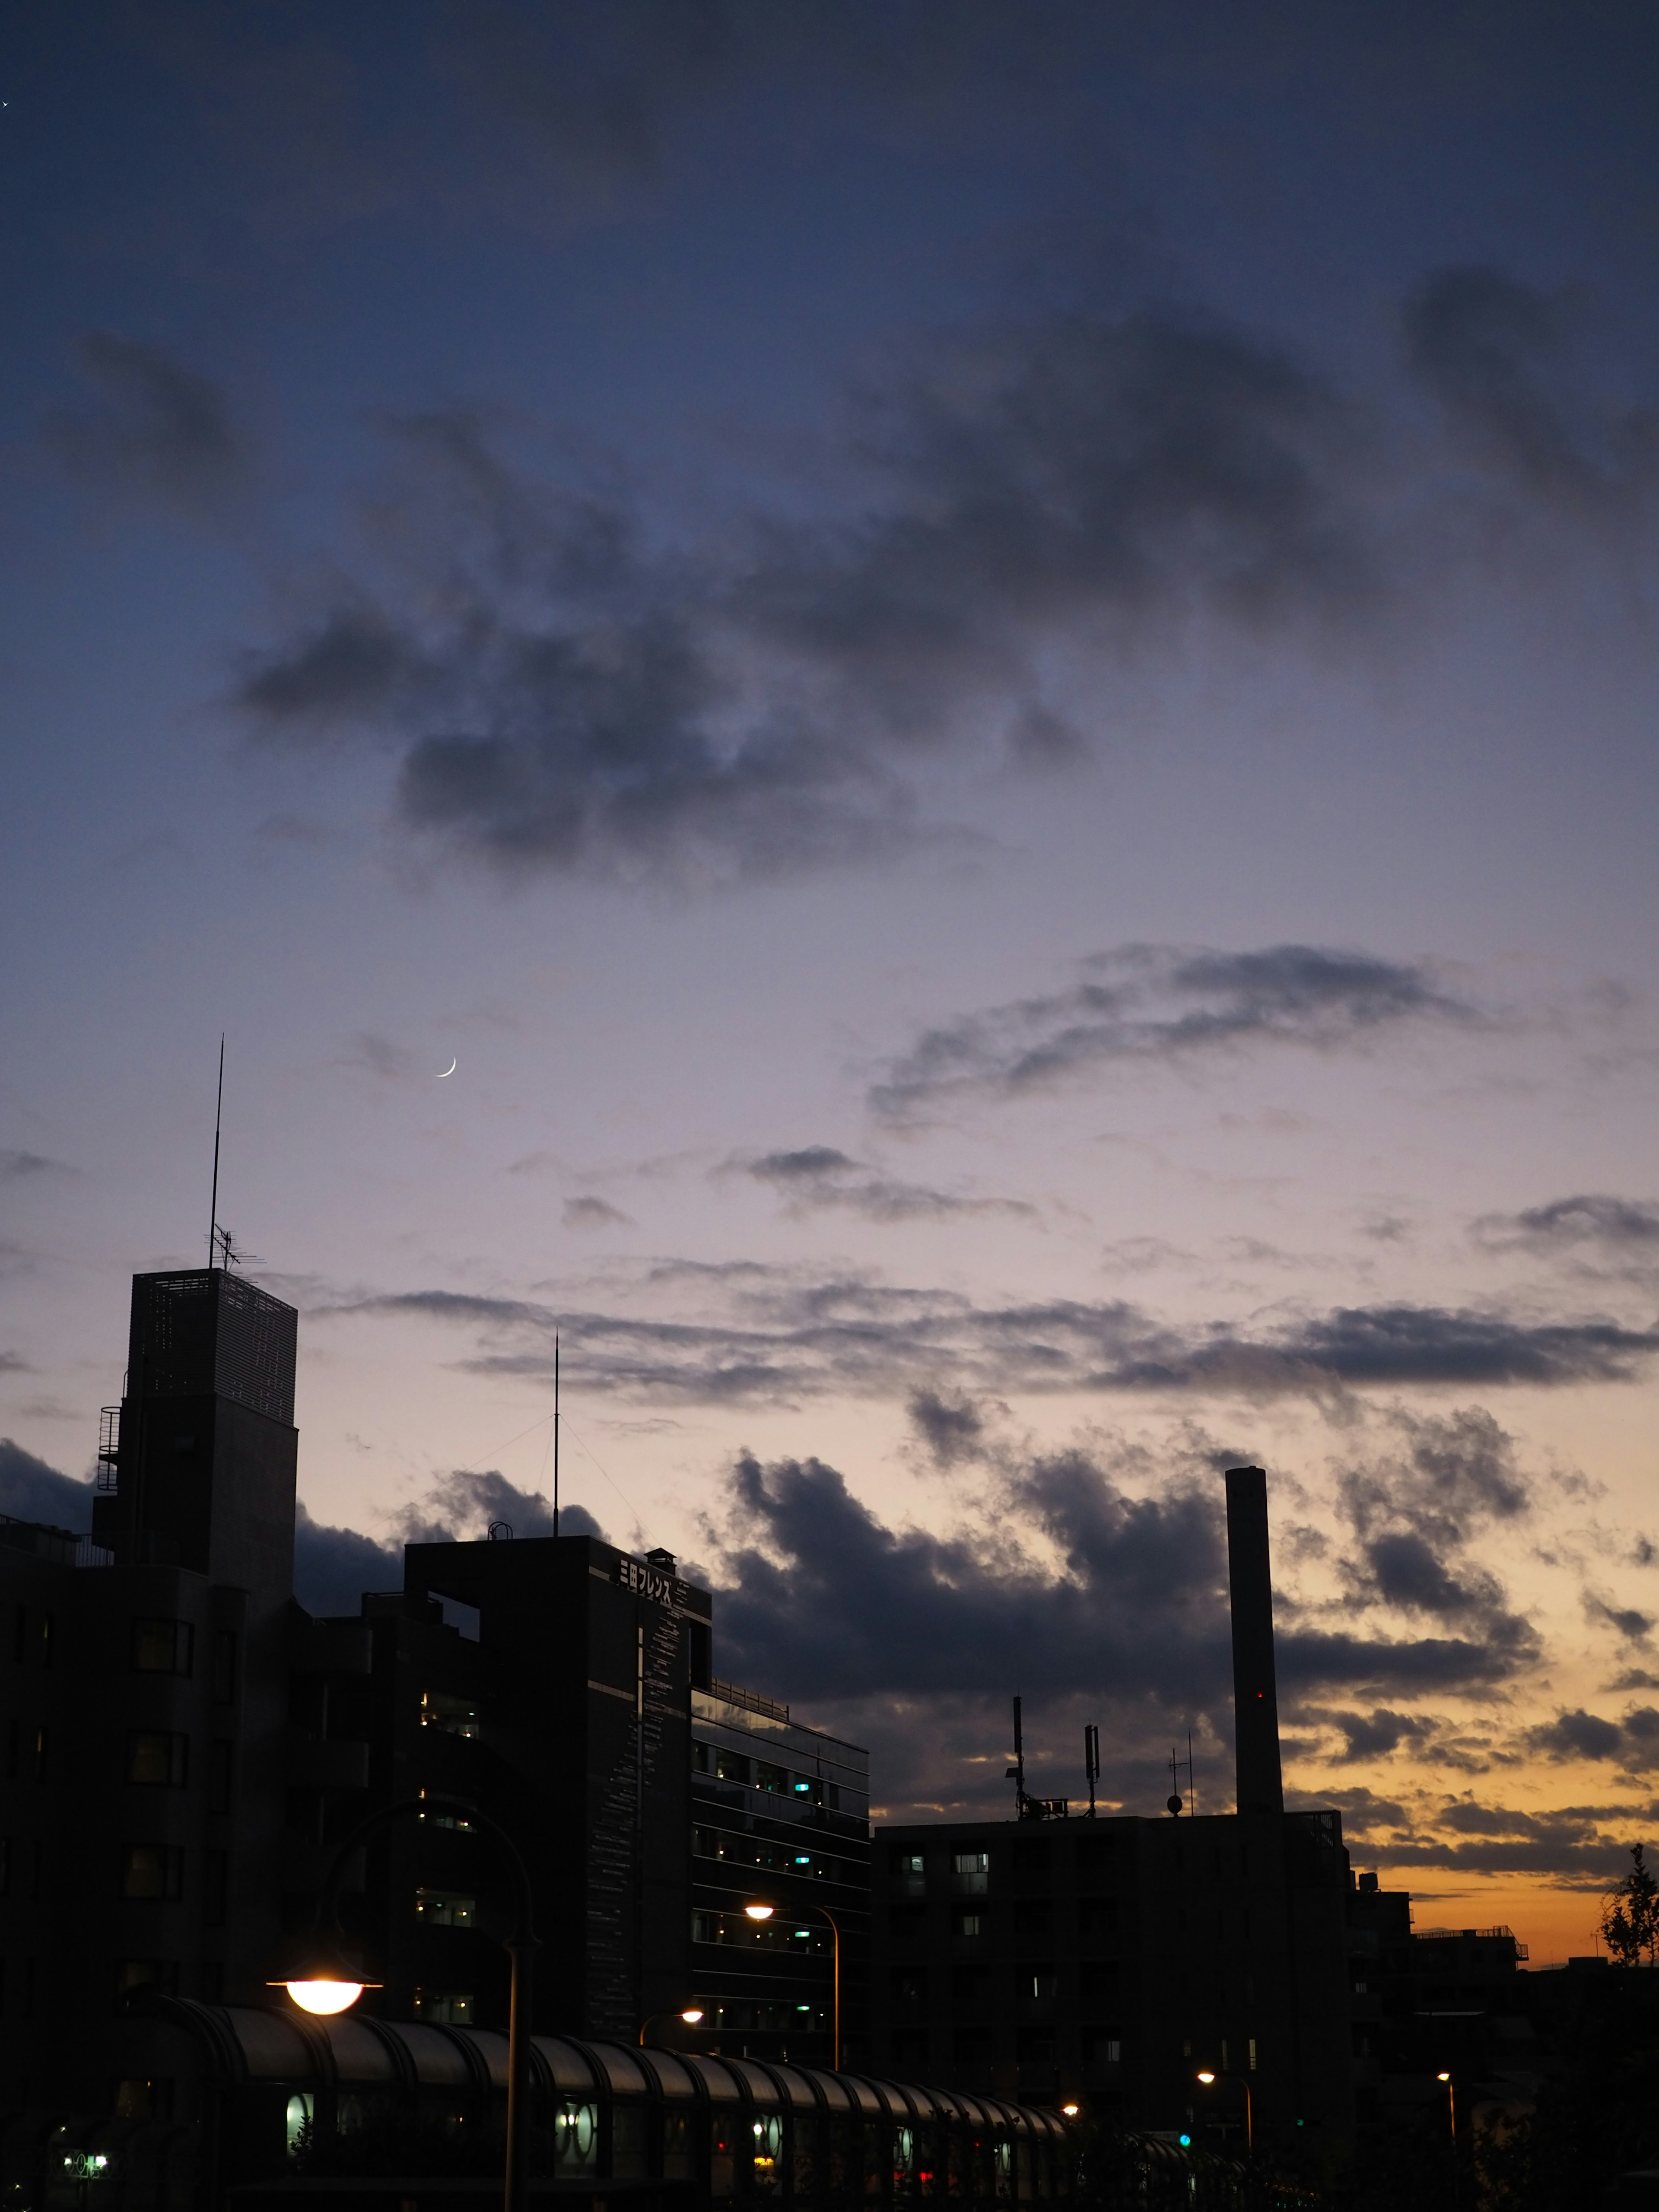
pixel 991 670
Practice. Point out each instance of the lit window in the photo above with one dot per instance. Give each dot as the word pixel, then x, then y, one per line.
pixel 971 1870
pixel 453 1715
pixel 447 2008
pixel 442 1908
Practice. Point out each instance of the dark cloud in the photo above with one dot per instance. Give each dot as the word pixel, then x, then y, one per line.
pixel 1632 1742
pixel 569 695
pixel 952 1427
pixel 31 1491
pixel 1417 1517
pixel 1375 1735
pixel 162 432
pixel 333 1567
pixel 777 1335
pixel 1498 356
pixel 1143 1004
pixel 819 1179
pixel 464 1504
pixel 1068 1584
pixel 1621 1226
pixel 18 1167
pixel 594 1213
pixel 1626 1621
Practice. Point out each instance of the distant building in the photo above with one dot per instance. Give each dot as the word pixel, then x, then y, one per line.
pixel 1110 1960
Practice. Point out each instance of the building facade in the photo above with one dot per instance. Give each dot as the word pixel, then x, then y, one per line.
pixel 781 1818
pixel 187 1749
pixel 1112 1961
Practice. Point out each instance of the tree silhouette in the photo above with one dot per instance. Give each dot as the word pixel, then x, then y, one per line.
pixel 1630 1919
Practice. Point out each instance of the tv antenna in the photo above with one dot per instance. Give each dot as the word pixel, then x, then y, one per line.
pixel 218 1116
pixel 1176 1802
pixel 556 1432
pixel 1091 1761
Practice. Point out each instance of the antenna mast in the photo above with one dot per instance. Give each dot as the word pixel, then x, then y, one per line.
pixel 218 1116
pixel 556 1432
pixel 1091 1761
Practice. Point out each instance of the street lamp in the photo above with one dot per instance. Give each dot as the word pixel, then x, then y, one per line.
pixel 691 2016
pixel 1208 2075
pixel 763 1911
pixel 1451 2104
pixel 324 1980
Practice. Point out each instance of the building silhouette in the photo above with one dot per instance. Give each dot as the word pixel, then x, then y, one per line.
pixel 186 1747
pixel 1109 1960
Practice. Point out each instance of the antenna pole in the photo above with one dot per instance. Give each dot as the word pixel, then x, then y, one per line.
pixel 1091 1761
pixel 218 1116
pixel 556 1432
pixel 1192 1779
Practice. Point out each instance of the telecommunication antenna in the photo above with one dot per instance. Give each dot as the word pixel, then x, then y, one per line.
pixel 1016 1773
pixel 1176 1804
pixel 556 1432
pixel 218 1116
pixel 1091 1761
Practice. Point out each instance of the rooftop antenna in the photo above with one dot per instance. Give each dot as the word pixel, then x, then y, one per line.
pixel 218 1116
pixel 1016 1773
pixel 1091 1761
pixel 556 1432
pixel 1176 1802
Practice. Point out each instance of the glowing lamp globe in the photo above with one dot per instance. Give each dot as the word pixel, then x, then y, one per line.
pixel 325 1995
pixel 692 2014
pixel 758 1911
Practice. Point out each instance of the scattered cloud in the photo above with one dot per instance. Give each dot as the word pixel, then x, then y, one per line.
pixel 1618 1227
pixel 819 1179
pixel 1498 356
pixel 950 1426
pixel 161 432
pixel 780 1335
pixel 1628 1621
pixel 586 1213
pixel 1141 1004
pixel 1632 1741
pixel 20 1167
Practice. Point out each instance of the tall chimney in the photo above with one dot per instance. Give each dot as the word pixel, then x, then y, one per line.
pixel 1256 1697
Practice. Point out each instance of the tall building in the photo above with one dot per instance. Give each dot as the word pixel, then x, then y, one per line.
pixel 1112 1960
pixel 186 1748
pixel 780 1816
pixel 547 1681
pixel 142 1832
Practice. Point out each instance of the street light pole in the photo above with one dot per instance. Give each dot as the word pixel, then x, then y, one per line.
pixel 765 1913
pixel 325 1988
pixel 691 2016
pixel 1451 2105
pixel 1210 2073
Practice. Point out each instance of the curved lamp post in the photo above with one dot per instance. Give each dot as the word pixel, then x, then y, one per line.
pixel 691 2016
pixel 326 1981
pixel 763 1911
pixel 1209 2074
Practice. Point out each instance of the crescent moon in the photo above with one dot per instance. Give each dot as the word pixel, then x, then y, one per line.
pixel 450 1070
